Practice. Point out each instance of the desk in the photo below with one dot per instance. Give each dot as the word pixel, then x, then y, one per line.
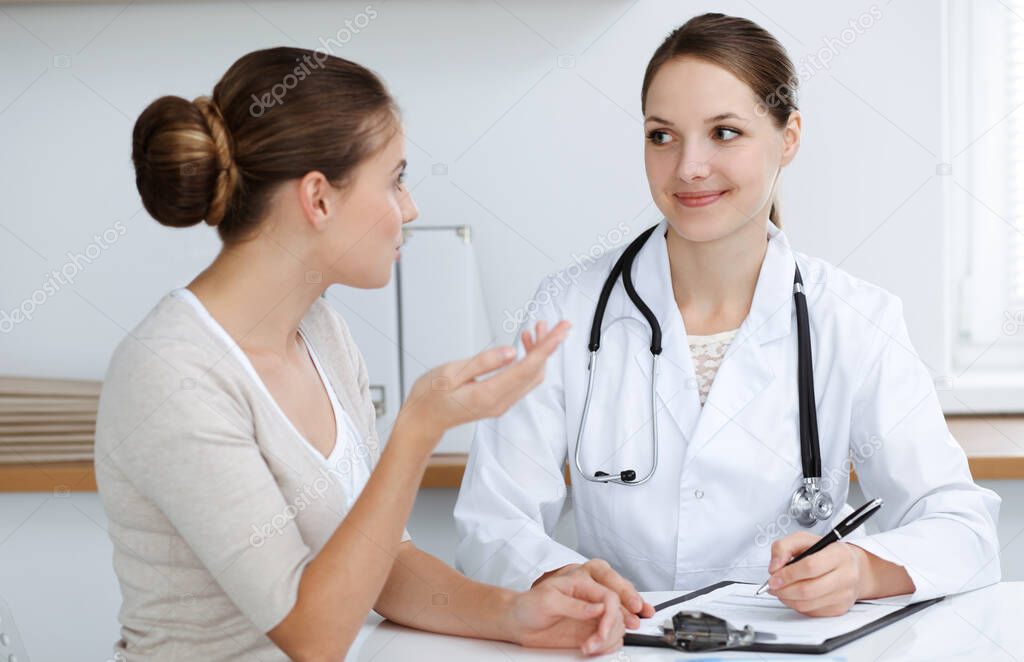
pixel 981 625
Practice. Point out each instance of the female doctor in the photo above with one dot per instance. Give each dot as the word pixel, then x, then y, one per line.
pixel 710 473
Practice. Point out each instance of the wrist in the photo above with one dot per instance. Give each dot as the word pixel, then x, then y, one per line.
pixel 415 435
pixel 865 577
pixel 508 626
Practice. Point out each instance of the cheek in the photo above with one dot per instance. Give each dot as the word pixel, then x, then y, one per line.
pixel 660 166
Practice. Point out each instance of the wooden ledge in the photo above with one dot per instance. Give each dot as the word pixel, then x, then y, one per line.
pixel 994 447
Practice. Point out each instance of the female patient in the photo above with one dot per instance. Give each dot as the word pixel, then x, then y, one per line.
pixel 252 510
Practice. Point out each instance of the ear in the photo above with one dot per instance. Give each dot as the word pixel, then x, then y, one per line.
pixel 316 198
pixel 791 137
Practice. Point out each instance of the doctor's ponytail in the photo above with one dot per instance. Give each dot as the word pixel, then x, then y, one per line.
pixel 744 49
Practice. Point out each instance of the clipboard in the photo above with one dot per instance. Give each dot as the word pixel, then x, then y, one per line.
pixel 827 646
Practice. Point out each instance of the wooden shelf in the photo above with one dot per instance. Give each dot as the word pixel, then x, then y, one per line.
pixel 994 447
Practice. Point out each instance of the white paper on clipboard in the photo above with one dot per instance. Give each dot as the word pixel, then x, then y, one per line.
pixel 740 606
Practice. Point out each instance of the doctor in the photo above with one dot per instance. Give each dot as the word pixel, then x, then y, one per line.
pixel 699 487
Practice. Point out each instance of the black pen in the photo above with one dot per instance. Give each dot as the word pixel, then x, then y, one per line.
pixel 843 529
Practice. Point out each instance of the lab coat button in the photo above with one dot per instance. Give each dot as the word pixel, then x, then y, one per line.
pixel 698 493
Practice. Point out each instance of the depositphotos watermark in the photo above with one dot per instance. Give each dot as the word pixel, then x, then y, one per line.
pixel 59 278
pixel 555 285
pixel 778 527
pixel 314 491
pixel 1013 322
pixel 810 65
pixel 308 64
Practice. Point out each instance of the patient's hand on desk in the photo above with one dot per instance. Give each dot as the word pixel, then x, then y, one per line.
pixel 633 606
pixel 571 611
pixel 828 582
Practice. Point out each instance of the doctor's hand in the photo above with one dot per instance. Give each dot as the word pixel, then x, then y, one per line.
pixel 826 583
pixel 571 611
pixel 632 604
pixel 454 393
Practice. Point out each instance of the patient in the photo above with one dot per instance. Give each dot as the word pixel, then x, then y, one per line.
pixel 253 511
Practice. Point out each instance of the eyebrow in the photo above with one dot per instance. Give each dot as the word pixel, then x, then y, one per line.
pixel 717 118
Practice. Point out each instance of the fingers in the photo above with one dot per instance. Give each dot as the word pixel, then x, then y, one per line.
pixel 606 575
pixel 813 566
pixel 786 548
pixel 612 624
pixel 813 588
pixel 528 341
pixel 631 620
pixel 583 586
pixel 519 378
pixel 481 364
pixel 830 595
pixel 610 628
pixel 575 608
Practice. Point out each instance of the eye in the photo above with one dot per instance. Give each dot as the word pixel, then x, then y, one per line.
pixel 400 180
pixel 722 133
pixel 659 137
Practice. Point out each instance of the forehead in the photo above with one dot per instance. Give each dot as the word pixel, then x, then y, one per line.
pixel 393 149
pixel 690 88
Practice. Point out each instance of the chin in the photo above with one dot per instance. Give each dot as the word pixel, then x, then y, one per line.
pixel 698 229
pixel 370 280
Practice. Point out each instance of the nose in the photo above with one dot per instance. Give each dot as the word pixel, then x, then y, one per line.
pixel 694 164
pixel 693 171
pixel 408 207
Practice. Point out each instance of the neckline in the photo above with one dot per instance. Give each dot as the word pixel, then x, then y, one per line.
pixel 188 296
pixel 714 337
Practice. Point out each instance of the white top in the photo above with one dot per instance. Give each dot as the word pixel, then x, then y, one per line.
pixel 708 352
pixel 345 462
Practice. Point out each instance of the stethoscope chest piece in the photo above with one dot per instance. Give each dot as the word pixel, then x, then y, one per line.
pixel 810 504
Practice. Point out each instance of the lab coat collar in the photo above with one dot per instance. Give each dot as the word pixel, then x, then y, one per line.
pixel 770 318
pixel 771 311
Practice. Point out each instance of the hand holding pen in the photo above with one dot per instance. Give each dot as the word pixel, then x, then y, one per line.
pixel 815 585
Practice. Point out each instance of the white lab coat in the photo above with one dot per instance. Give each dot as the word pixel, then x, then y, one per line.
pixel 726 471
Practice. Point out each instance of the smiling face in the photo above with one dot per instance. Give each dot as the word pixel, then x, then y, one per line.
pixel 711 151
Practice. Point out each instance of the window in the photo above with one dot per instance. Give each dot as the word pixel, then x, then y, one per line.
pixel 985 192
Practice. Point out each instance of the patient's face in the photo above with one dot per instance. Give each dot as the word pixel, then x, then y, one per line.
pixel 368 222
pixel 704 133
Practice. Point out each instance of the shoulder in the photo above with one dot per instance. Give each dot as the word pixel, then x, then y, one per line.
pixel 169 342
pixel 852 305
pixel 168 359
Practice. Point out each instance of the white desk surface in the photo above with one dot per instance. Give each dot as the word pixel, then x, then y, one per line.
pixel 986 624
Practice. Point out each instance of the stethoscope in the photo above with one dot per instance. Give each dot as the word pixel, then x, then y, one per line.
pixel 809 503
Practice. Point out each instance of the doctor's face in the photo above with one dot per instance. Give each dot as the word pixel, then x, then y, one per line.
pixel 712 153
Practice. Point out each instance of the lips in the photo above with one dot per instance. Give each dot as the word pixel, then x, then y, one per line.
pixel 698 198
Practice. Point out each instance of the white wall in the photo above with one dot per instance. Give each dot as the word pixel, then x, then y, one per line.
pixel 531 108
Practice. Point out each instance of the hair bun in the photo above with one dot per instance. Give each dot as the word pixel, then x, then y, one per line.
pixel 184 167
pixel 228 176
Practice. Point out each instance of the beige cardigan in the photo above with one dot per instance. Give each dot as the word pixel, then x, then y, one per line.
pixel 215 505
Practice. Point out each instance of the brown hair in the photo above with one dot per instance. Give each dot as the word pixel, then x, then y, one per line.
pixel 275 115
pixel 744 49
